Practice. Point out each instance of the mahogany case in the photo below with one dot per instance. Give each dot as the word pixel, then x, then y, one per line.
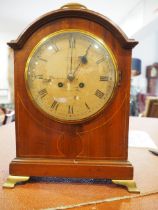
pixel 97 148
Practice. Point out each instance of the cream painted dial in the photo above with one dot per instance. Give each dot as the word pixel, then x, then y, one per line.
pixel 71 75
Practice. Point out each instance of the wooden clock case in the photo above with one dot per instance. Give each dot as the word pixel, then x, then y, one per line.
pixel 95 148
pixel 152 79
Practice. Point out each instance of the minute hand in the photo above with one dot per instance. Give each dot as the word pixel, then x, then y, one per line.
pixel 76 68
pixel 87 50
pixel 71 60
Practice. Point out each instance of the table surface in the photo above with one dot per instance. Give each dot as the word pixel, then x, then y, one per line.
pixel 54 193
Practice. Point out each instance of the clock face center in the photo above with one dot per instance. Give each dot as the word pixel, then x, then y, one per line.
pixel 71 75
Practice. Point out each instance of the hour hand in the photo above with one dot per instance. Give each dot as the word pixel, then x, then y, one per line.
pixel 83 58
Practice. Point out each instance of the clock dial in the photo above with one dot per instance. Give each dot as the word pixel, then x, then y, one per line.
pixel 71 75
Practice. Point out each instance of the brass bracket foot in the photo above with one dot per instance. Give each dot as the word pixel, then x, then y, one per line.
pixel 12 180
pixel 130 184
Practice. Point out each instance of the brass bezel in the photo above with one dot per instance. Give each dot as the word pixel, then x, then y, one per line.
pixel 115 69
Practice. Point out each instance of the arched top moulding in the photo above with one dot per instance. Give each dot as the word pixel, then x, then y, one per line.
pixel 73 11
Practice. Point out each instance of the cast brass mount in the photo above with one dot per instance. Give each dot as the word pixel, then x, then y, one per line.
pixel 13 180
pixel 130 184
pixel 73 6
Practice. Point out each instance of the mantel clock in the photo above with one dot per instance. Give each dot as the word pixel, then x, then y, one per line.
pixel 72 82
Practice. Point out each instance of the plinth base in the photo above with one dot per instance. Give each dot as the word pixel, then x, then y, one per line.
pixel 121 172
pixel 78 168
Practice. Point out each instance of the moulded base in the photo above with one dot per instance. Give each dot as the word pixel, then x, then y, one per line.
pixel 104 169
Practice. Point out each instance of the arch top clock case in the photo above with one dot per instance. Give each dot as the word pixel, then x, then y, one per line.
pixel 72 81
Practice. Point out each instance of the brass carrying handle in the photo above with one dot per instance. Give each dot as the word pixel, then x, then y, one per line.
pixel 73 6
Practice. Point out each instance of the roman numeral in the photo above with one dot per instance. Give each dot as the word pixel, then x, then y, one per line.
pixel 99 94
pixel 104 78
pixel 40 76
pixel 55 48
pixel 100 60
pixel 70 109
pixel 41 59
pixel 87 106
pixel 52 47
pixel 43 93
pixel 55 105
pixel 72 42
